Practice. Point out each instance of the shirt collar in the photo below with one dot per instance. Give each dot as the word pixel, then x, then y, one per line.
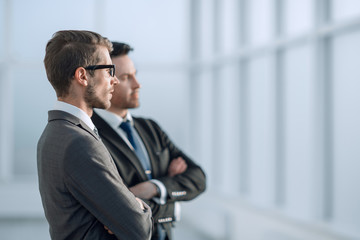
pixel 112 119
pixel 77 112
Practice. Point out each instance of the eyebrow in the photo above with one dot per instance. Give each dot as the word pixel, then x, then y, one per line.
pixel 129 73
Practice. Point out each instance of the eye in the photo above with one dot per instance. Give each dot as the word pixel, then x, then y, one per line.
pixel 125 77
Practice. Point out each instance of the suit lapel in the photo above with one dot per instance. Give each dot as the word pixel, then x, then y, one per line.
pixel 86 128
pixel 108 134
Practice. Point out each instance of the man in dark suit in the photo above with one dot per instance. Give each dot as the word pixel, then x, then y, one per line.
pixel 150 164
pixel 82 192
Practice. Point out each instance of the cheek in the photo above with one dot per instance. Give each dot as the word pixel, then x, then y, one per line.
pixel 118 93
pixel 120 89
pixel 117 90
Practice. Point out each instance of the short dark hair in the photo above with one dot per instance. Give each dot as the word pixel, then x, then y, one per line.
pixel 66 51
pixel 120 49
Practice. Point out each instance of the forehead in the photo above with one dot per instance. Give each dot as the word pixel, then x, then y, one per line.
pixel 104 55
pixel 123 64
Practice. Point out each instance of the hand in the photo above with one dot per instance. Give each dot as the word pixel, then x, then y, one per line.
pixel 109 231
pixel 144 190
pixel 141 203
pixel 177 166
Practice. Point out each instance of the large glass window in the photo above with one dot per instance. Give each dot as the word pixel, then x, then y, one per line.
pixel 3 22
pixel 299 104
pixel 261 129
pixel 205 123
pixel 297 113
pixel 206 29
pixel 346 139
pixel 227 110
pixel 33 96
pixel 28 42
pixel 261 25
pixel 153 27
pixel 299 16
pixel 229 27
pixel 345 9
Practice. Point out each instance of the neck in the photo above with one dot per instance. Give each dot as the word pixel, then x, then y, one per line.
pixel 79 104
pixel 120 112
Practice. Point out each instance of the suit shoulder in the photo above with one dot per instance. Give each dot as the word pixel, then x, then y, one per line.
pixel 66 134
pixel 146 121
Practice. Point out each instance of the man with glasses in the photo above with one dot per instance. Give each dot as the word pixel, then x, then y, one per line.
pixel 151 165
pixel 82 192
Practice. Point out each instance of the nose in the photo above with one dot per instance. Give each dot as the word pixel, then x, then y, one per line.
pixel 114 80
pixel 136 83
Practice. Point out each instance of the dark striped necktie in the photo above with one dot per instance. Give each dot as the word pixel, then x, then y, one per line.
pixel 135 142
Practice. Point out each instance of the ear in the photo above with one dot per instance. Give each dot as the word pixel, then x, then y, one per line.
pixel 80 76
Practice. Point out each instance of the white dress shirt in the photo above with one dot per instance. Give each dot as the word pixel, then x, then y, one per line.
pixel 114 121
pixel 77 112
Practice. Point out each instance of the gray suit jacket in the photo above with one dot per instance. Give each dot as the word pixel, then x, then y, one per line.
pixel 80 187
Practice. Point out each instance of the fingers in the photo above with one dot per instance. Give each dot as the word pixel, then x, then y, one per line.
pixel 177 166
pixel 141 203
pixel 180 165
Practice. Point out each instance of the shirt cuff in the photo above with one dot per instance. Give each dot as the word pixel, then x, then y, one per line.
pixel 177 211
pixel 163 192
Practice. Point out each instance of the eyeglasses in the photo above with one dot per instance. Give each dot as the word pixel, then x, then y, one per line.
pixel 94 67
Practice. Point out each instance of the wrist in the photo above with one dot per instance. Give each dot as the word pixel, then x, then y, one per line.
pixel 158 191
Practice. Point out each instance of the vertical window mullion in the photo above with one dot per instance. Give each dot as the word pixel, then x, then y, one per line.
pixel 279 95
pixel 324 110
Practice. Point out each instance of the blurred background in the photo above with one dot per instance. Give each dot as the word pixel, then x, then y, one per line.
pixel 263 94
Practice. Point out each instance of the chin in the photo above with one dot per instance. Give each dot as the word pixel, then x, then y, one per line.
pixel 133 106
pixel 102 105
pixel 106 106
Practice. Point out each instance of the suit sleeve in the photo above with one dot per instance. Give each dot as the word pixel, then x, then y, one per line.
pixel 92 178
pixel 185 186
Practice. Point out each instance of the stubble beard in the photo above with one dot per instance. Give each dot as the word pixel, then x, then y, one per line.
pixel 94 101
